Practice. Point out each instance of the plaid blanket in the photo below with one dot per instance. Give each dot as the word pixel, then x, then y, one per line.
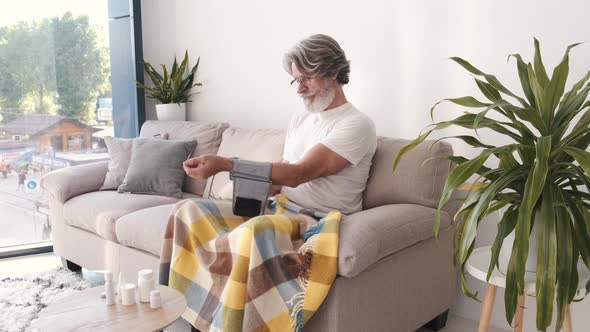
pixel 268 273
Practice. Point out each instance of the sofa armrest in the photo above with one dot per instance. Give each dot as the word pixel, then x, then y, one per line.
pixel 66 183
pixel 370 235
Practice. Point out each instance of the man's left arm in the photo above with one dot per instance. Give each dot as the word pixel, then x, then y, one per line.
pixel 347 144
pixel 319 161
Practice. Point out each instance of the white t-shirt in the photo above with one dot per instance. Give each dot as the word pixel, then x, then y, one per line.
pixel 349 133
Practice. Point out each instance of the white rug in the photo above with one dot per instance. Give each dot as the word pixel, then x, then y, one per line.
pixel 21 298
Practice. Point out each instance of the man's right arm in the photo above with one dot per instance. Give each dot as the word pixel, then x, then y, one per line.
pixel 320 161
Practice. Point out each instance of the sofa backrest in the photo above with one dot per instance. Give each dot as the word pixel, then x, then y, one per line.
pixel 419 178
pixel 207 135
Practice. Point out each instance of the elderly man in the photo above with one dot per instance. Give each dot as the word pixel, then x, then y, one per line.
pixel 328 148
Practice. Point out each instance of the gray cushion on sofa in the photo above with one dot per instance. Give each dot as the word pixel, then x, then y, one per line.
pixel 419 179
pixel 370 235
pixel 207 135
pixel 156 167
pixel 120 151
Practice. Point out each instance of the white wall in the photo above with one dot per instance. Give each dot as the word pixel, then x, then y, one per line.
pixel 399 56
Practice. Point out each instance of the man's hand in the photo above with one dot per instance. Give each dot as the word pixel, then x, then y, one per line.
pixel 204 166
pixel 275 190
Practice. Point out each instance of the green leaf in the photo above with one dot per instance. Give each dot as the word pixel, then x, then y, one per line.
pixel 474 142
pixel 539 94
pixel 466 101
pixel 554 90
pixel 459 160
pixel 546 259
pixel 507 161
pixel 505 227
pixel 581 227
pixel 481 115
pixel 530 115
pixel 567 111
pixel 581 156
pixel 584 121
pixel 567 98
pixel 464 285
pixel 523 75
pixel 491 79
pixel 174 68
pixel 409 147
pixel 465 64
pixel 565 256
pixel 195 67
pixel 489 91
pixel 153 74
pixel 467 121
pixel 511 292
pixel 539 67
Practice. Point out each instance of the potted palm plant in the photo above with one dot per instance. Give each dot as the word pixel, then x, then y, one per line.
pixel 539 179
pixel 172 89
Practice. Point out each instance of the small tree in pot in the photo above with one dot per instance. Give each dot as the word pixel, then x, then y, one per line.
pixel 171 89
pixel 541 179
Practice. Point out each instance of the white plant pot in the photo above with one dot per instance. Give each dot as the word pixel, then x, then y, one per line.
pixel 171 112
pixel 506 251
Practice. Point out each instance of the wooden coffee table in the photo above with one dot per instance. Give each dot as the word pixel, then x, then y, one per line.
pixel 87 311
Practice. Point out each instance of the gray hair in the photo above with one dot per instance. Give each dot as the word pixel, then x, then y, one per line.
pixel 319 55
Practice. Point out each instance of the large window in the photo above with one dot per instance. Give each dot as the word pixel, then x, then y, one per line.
pixel 55 103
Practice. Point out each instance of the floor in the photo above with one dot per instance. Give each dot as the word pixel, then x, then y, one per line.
pixel 17 266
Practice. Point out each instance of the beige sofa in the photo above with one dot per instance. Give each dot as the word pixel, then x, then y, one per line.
pixel 393 274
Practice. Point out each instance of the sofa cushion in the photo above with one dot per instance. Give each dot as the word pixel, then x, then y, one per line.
pixel 156 167
pixel 415 181
pixel 207 135
pixel 120 152
pixel 144 229
pixel 250 144
pixel 97 211
pixel 370 235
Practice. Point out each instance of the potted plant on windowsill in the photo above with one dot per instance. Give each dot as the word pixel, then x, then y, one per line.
pixel 541 179
pixel 171 89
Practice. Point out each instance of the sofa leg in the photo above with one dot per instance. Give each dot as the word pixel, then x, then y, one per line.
pixel 438 322
pixel 70 265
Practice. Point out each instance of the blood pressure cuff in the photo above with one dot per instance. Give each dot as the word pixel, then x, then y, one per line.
pixel 252 184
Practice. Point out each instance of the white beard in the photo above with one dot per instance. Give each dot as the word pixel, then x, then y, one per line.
pixel 323 98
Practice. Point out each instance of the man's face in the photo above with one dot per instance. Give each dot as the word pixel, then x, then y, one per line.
pixel 317 92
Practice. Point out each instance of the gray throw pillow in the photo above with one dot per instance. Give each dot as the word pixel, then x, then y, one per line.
pixel 156 167
pixel 120 152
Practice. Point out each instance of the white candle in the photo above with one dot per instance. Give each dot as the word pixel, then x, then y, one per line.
pixel 155 299
pixel 128 294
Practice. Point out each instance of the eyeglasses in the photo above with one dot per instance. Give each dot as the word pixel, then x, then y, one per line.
pixel 300 81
